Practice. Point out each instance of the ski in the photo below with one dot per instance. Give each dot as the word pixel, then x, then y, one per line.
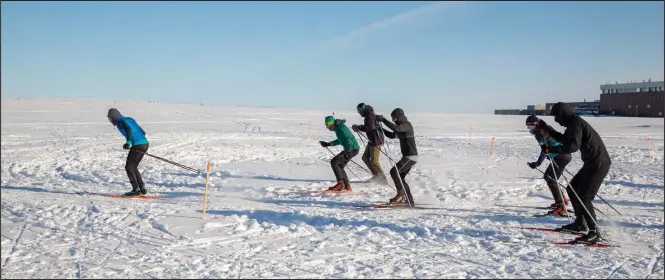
pixel 118 195
pixel 132 196
pixel 324 192
pixel 389 205
pixel 553 230
pixel 595 245
pixel 552 215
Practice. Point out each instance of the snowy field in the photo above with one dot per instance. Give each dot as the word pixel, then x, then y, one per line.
pixel 258 225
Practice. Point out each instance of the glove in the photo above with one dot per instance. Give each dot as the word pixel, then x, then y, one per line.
pixel 533 165
pixel 324 144
pixel 545 148
pixel 380 118
pixel 354 128
pixel 126 146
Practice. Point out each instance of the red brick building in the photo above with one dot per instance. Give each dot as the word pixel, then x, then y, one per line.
pixel 645 99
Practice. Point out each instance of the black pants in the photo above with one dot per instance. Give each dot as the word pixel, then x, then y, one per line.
pixel 338 163
pixel 403 166
pixel 132 166
pixel 586 184
pixel 552 173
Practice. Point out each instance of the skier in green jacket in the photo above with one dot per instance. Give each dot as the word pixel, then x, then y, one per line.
pixel 351 148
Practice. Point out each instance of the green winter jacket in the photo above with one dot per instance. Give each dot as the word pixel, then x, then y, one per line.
pixel 344 136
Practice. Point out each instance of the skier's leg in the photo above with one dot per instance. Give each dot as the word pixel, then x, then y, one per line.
pixel 375 156
pixel 553 185
pixel 560 162
pixel 336 164
pixel 403 171
pixel 130 166
pixel 366 160
pixel 349 155
pixel 588 192
pixel 398 184
pixel 139 180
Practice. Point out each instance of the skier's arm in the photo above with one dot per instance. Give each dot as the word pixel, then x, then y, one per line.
pixel 361 127
pixel 334 142
pixel 570 140
pixel 129 131
pixel 541 158
pixel 389 134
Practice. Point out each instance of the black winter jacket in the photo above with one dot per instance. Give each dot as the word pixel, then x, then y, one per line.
pixel 579 135
pixel 371 127
pixel 403 130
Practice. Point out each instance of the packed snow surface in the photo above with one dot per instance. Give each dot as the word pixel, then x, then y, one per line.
pixel 259 225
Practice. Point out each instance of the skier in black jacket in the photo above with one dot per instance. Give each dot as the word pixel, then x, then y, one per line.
pixel 375 140
pixel 579 135
pixel 403 130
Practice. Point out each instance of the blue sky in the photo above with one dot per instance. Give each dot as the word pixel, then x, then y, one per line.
pixel 469 57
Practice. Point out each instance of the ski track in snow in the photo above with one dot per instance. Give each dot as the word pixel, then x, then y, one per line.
pixel 258 225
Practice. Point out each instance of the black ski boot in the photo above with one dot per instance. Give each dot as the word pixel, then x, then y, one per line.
pixel 592 237
pixel 576 227
pixel 142 190
pixel 135 191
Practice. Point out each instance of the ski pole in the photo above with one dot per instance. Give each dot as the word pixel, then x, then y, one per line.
pixel 608 204
pixel 354 174
pixel 554 171
pixel 197 171
pixel 351 161
pixel 562 186
pixel 362 136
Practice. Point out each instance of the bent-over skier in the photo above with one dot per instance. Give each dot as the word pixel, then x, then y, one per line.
pixel 555 169
pixel 351 148
pixel 403 130
pixel 375 140
pixel 579 135
pixel 136 143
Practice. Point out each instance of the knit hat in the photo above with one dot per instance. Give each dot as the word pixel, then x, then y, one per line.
pixel 329 120
pixel 113 115
pixel 532 120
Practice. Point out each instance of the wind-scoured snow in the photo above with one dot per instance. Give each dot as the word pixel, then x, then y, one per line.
pixel 258 225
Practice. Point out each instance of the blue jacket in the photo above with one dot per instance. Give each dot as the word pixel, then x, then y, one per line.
pixel 545 141
pixel 133 133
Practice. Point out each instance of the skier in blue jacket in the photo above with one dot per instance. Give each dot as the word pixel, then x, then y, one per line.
pixel 136 143
pixel 552 173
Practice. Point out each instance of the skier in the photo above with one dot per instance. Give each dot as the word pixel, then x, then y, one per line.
pixel 137 144
pixel 579 135
pixel 351 148
pixel 554 170
pixel 375 140
pixel 403 130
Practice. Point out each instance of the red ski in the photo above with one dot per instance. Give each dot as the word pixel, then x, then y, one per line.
pixel 553 230
pixel 325 192
pixel 133 196
pixel 596 245
pixel 390 205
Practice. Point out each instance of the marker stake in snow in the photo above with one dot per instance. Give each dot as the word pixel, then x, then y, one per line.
pixel 649 147
pixel 492 147
pixel 469 135
pixel 309 130
pixel 205 192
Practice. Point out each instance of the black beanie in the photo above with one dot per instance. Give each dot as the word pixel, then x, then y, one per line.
pixel 532 120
